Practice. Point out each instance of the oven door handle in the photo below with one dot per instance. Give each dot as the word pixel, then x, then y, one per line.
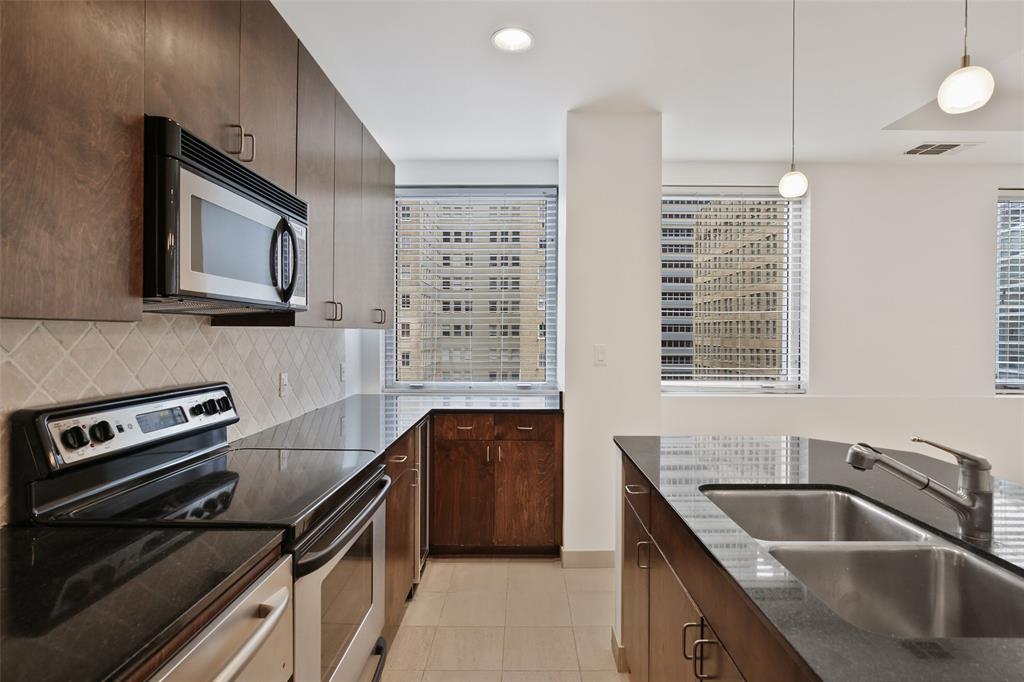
pixel 314 560
pixel 270 613
pixel 286 292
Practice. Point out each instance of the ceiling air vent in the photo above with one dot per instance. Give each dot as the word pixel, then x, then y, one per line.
pixel 936 148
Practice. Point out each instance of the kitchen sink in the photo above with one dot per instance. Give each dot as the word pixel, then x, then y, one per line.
pixel 811 515
pixel 910 591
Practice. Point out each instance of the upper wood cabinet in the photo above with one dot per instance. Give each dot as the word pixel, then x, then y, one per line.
pixel 192 67
pixel 267 92
pixel 71 97
pixel 314 183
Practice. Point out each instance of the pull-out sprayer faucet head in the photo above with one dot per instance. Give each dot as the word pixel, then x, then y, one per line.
pixel 862 456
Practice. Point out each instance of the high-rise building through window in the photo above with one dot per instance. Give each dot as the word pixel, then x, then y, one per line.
pixel 476 271
pixel 731 290
pixel 1010 293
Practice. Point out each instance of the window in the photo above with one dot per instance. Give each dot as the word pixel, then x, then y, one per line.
pixel 507 240
pixel 1010 293
pixel 732 290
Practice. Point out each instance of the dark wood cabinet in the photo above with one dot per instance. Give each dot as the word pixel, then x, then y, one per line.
pixel 495 495
pixel 192 67
pixel 675 625
pixel 635 589
pixel 267 92
pixel 71 140
pixel 348 213
pixel 462 494
pixel 314 183
pixel 400 558
pixel 524 494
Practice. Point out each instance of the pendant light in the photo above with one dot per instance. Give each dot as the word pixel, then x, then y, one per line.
pixel 794 183
pixel 969 87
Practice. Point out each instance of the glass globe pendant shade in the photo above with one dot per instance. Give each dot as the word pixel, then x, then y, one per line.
pixel 966 89
pixel 793 184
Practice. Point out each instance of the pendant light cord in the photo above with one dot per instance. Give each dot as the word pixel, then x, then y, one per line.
pixel 965 32
pixel 792 92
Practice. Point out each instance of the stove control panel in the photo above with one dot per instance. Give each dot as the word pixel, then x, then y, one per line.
pixel 100 431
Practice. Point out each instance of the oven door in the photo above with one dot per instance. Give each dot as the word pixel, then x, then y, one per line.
pixel 339 592
pixel 233 248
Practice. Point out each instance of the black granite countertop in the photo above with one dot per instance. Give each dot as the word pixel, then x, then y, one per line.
pixel 835 649
pixel 91 603
pixel 373 422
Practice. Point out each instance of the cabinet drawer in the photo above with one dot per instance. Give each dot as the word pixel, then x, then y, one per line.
pixel 636 491
pixel 401 455
pixel 525 426
pixel 464 427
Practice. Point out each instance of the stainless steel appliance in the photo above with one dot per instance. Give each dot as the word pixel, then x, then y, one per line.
pixel 162 458
pixel 218 238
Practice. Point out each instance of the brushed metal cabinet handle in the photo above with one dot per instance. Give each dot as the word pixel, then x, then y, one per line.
pixel 687 626
pixel 380 313
pixel 525 428
pixel 252 153
pixel 398 459
pixel 330 311
pixel 464 428
pixel 698 658
pixel 339 311
pixel 634 489
pixel 638 545
pixel 241 138
pixel 488 454
pixel 499 453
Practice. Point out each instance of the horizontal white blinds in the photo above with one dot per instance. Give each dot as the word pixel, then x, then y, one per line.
pixel 1010 292
pixel 731 273
pixel 476 287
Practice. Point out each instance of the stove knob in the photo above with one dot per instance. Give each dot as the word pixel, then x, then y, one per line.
pixel 101 431
pixel 224 403
pixel 74 437
pixel 210 406
pixel 196 409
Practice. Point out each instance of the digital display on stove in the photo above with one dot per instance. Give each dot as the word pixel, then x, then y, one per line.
pixel 161 419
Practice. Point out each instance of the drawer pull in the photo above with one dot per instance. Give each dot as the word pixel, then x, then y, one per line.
pixel 270 613
pixel 698 658
pixel 638 544
pixel 464 428
pixel 488 454
pixel 687 626
pixel 398 459
pixel 634 489
pixel 499 453
pixel 525 428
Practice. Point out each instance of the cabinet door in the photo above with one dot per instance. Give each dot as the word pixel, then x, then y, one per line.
pixel 384 231
pixel 675 624
pixel 375 263
pixel 462 494
pixel 267 91
pixel 350 258
pixel 314 183
pixel 71 103
pixel 400 539
pixel 525 494
pixel 636 552
pixel 192 62
pixel 713 661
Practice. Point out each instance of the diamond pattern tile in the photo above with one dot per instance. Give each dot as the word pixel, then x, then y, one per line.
pixel 47 362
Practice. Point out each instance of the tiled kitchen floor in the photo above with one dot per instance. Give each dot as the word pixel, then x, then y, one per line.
pixel 518 620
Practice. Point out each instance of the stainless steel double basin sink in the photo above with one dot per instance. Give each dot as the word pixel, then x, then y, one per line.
pixel 875 569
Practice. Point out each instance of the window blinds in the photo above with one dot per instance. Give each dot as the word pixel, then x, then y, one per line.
pixel 732 303
pixel 1010 294
pixel 476 285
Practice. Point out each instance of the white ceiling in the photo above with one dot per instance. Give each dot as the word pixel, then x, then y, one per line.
pixel 424 78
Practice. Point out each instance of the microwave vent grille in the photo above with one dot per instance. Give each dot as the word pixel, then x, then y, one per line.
pixel 201 154
pixel 185 306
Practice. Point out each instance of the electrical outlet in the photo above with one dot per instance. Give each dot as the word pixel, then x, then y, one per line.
pixel 284 388
pixel 600 355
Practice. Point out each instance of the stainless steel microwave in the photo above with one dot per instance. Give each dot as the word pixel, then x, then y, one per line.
pixel 218 238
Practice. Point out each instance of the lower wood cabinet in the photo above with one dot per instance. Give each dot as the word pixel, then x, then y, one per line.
pixel 400 534
pixel 636 631
pixel 495 494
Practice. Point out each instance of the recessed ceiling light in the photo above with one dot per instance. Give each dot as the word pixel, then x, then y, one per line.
pixel 512 39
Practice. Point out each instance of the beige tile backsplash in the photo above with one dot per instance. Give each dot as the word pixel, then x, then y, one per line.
pixel 51 362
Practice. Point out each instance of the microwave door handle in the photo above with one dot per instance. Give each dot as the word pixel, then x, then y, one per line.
pixel 314 560
pixel 286 294
pixel 275 251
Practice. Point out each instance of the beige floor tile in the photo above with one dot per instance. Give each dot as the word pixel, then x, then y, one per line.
pixel 473 609
pixel 424 609
pixel 592 608
pixel 462 676
pixel 480 576
pixel 604 676
pixel 411 648
pixel 466 649
pixel 402 676
pixel 437 576
pixel 593 646
pixel 539 648
pixel 542 676
pixel 590 579
pixel 537 608
pixel 536 577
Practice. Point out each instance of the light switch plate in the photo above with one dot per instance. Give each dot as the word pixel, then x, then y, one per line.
pixel 600 355
pixel 284 388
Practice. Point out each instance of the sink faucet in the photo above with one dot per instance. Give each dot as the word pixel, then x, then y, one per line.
pixel 972 500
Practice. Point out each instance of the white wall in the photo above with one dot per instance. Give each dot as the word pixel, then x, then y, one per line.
pixel 481 172
pixel 902 334
pixel 611 196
